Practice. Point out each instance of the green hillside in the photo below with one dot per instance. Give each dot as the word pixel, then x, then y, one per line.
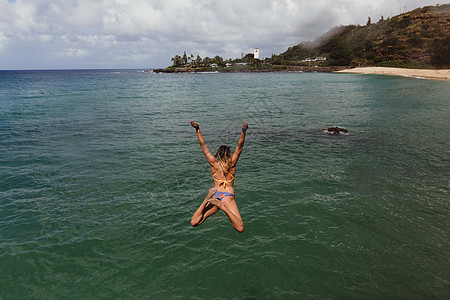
pixel 419 38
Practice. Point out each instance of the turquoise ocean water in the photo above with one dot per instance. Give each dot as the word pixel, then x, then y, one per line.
pixel 100 173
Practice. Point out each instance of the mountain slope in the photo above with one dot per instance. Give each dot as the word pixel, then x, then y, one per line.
pixel 420 38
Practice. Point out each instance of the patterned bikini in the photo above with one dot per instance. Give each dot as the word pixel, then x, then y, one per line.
pixel 221 195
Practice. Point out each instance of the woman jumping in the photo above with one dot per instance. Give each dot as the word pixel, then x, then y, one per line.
pixel 223 169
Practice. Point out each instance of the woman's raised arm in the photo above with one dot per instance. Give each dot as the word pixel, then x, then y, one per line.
pixel 240 145
pixel 211 159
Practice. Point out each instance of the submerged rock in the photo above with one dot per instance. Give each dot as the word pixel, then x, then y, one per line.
pixel 336 130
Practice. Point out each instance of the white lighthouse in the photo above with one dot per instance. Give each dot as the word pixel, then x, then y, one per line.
pixel 256 53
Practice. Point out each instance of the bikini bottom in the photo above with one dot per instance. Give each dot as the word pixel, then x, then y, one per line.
pixel 221 195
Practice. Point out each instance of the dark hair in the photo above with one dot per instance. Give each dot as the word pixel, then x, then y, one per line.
pixel 223 156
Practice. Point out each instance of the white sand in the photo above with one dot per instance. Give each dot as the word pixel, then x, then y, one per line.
pixel 419 73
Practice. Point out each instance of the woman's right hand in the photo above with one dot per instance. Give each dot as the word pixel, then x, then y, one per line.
pixel 245 126
pixel 195 125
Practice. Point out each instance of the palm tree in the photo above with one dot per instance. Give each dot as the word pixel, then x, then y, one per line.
pixel 207 61
pixel 218 59
pixel 177 61
pixel 198 60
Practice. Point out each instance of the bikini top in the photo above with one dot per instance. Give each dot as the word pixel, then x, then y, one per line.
pixel 222 181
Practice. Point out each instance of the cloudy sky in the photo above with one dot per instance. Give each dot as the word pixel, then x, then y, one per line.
pixel 77 34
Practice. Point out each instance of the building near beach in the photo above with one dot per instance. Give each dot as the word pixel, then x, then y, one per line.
pixel 320 58
pixel 256 53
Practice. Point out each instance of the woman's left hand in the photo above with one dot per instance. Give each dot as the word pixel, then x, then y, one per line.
pixel 195 125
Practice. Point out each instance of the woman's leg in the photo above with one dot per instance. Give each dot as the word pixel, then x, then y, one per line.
pixel 205 210
pixel 229 207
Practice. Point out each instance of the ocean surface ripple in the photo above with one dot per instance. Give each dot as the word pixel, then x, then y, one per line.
pixel 100 173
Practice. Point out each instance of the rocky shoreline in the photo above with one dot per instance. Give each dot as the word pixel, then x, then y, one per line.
pixel 286 69
pixel 443 74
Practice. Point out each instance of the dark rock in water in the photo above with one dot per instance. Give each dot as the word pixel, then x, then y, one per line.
pixel 336 130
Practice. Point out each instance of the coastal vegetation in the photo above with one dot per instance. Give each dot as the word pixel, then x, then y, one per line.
pixel 198 62
pixel 416 39
pixel 189 63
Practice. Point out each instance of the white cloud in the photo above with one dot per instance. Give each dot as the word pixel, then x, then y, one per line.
pixel 71 53
pixel 144 33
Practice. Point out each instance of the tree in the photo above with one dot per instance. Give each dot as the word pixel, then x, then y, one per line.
pixel 440 52
pixel 276 59
pixel 339 51
pixel 198 61
pixel 249 57
pixel 207 61
pixel 177 61
pixel 218 60
pixel 404 22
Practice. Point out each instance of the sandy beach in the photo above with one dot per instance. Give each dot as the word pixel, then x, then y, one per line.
pixel 418 73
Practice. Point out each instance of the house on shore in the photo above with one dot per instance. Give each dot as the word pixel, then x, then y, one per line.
pixel 319 58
